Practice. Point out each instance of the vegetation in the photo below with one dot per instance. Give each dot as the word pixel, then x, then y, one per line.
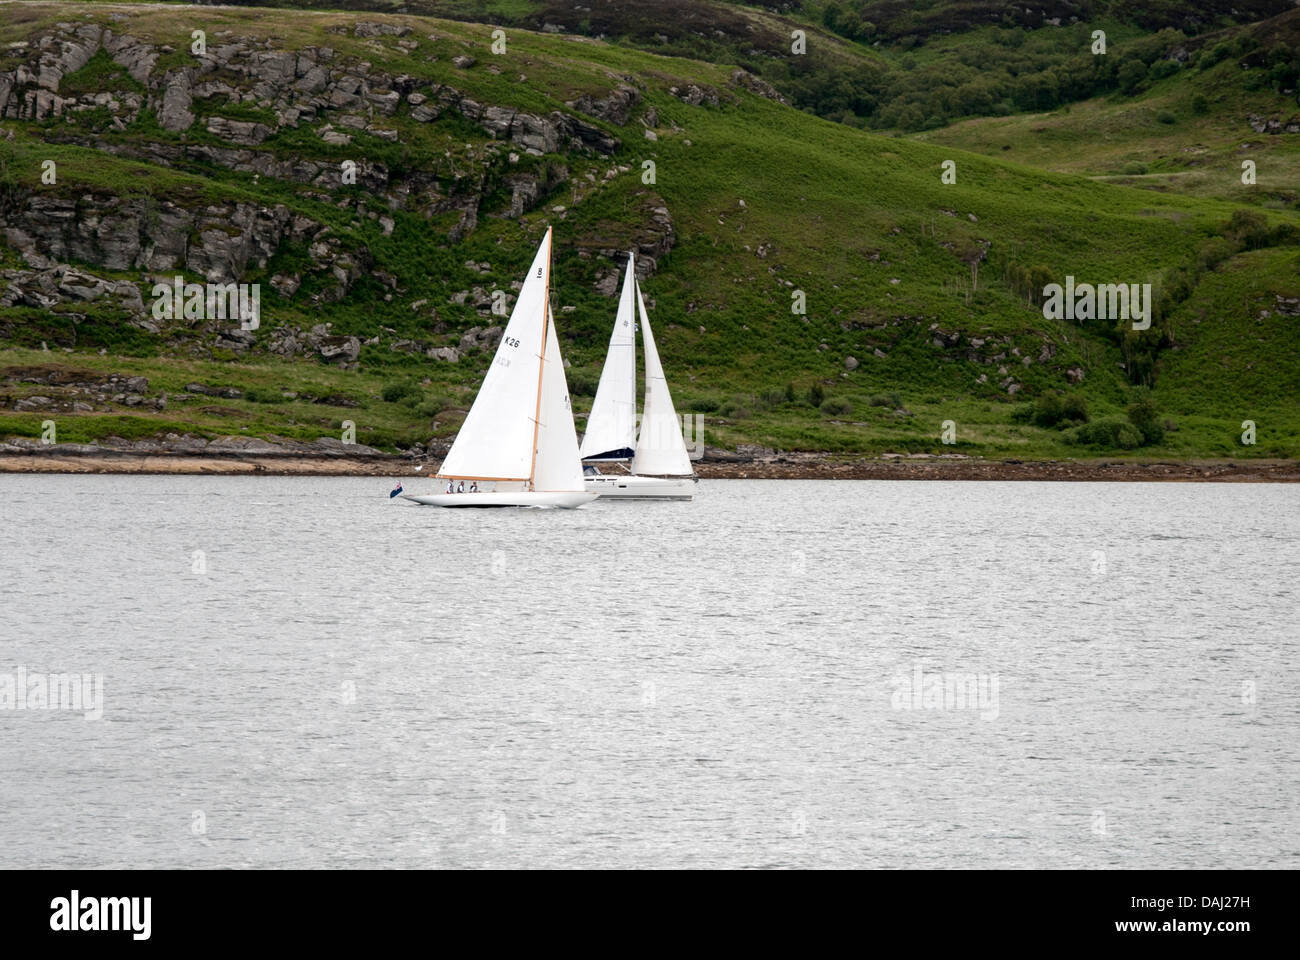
pixel 935 288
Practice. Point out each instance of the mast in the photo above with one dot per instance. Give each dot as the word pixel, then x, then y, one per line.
pixel 541 365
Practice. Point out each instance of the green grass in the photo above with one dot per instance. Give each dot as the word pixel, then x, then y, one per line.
pixel 836 212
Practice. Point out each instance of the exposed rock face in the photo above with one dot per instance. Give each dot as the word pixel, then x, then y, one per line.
pixel 479 338
pixel 1272 125
pixel 371 29
pixel 126 233
pixel 241 132
pixel 616 108
pixel 745 79
pixel 339 99
pixel 346 349
pixel 696 96
pixel 175 111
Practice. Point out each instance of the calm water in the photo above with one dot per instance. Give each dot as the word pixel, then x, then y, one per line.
pixel 340 680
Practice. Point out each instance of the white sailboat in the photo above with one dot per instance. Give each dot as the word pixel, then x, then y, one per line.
pixel 660 466
pixel 518 446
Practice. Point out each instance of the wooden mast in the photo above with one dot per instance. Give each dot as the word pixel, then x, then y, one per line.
pixel 541 367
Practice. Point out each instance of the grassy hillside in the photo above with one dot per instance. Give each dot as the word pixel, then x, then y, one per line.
pixel 928 287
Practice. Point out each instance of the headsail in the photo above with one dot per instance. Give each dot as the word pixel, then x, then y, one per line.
pixel 611 427
pixel 496 440
pixel 557 468
pixel 660 450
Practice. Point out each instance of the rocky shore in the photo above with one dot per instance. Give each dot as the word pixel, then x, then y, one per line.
pixel 329 457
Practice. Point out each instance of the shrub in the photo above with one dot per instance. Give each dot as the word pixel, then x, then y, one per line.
pixel 1048 410
pixel 262 395
pixel 836 407
pixel 1075 407
pixel 703 405
pixel 891 400
pixel 433 406
pixel 1248 228
pixel 1134 168
pixel 790 395
pixel 1099 433
pixel 773 398
pixel 1145 418
pixel 1200 105
pixel 1053 410
pixel 1163 68
pixel 582 383
pixel 394 392
pixel 816 395
pixel 734 410
pixel 1213 252
pixel 1164 116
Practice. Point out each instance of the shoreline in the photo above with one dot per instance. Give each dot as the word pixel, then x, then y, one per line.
pixel 78 459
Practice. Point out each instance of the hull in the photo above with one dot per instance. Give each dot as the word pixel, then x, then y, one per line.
pixel 519 498
pixel 641 488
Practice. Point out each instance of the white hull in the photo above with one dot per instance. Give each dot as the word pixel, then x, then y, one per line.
pixel 518 498
pixel 641 488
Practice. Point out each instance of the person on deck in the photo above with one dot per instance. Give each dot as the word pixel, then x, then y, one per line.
pixel 451 486
pixel 460 487
pixel 473 486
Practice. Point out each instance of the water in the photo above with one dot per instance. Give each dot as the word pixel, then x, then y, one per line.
pixel 340 680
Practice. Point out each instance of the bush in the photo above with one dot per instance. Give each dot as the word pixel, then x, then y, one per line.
pixel 703 405
pixel 433 406
pixel 1128 437
pixel 790 395
pixel 261 395
pixel 816 395
pixel 1075 407
pixel 582 383
pixel 1200 105
pixel 1248 228
pixel 891 400
pixel 773 398
pixel 1163 68
pixel 1213 252
pixel 1164 116
pixel 735 410
pixel 836 407
pixel 1053 410
pixel 394 392
pixel 1048 410
pixel 1145 418
pixel 1134 168
pixel 1109 433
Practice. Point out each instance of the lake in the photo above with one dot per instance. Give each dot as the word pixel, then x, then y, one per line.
pixel 299 672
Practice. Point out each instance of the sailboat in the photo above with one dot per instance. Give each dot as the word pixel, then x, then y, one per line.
pixel 660 465
pixel 518 446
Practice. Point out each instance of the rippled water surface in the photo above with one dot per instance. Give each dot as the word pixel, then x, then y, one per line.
pixel 338 679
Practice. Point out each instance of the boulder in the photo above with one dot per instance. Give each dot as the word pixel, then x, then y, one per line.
pixel 345 349
pixel 369 28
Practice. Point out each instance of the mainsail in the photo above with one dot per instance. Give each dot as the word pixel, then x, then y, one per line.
pixel 660 450
pixel 611 427
pixel 520 428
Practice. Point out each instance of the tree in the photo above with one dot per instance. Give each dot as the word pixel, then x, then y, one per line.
pixel 1131 74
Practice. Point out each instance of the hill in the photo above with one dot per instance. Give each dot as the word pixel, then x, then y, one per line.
pixel 922 297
